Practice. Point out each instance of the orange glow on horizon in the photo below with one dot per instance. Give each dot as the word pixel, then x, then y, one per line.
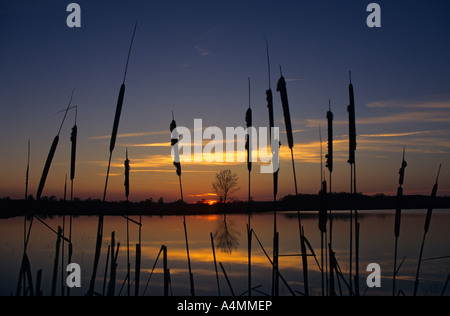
pixel 211 202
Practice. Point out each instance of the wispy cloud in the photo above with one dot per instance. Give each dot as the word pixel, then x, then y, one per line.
pixel 171 171
pixel 407 117
pixel 397 118
pixel 203 50
pixel 294 79
pixel 404 134
pixel 202 195
pixel 150 161
pixel 440 104
pixel 129 135
pixel 165 144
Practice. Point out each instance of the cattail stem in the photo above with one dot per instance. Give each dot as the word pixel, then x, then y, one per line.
pixel 395 267
pixel 305 261
pixel 111 149
pixel 98 247
pixel 191 276
pixel 166 272
pixel 329 165
pixel 28 172
pixel 352 162
pixel 416 283
pixel 26 195
pixel 293 170
pixel 107 177
pixel 215 262
pixel 226 278
pixel 350 275
pixel 67 110
pixel 129 53
pixel 356 232
pixel 153 269
pixel 73 139
pixel 249 147
pixel 181 189
pixel 275 270
pixel 398 214
pixel 426 228
pixel 55 265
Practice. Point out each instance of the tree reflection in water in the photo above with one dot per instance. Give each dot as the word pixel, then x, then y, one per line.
pixel 226 236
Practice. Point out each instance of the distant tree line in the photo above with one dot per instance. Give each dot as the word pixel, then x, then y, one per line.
pixel 303 202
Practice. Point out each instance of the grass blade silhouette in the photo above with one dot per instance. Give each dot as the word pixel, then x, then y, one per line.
pixel 51 154
pixel 177 164
pixel 398 217
pixel 249 149
pixel 329 165
pixel 281 87
pixel 111 149
pixel 269 99
pixel 426 228
pixel 352 162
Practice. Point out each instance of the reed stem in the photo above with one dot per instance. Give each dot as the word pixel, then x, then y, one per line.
pixel 215 262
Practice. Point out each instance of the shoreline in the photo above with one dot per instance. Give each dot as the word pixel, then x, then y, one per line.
pixel 304 203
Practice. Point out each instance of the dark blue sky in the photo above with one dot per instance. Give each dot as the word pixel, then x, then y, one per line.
pixel 194 57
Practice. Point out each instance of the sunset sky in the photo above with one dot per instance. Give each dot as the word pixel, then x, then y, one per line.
pixel 195 57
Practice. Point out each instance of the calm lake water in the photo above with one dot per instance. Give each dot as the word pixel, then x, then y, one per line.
pixel 376 246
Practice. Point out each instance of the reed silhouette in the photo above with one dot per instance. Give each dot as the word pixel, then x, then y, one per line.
pixel 426 229
pixel 226 236
pixel 249 148
pixel 25 273
pixel 398 217
pixel 352 162
pixel 177 164
pixel 281 87
pixel 329 164
pixel 111 149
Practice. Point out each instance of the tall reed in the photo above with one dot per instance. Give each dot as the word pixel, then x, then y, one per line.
pixel 41 186
pixel 215 262
pixel 55 265
pixel 398 217
pixel 98 244
pixel 166 272
pixel 352 162
pixel 51 154
pixel 27 172
pixel 269 98
pixel 281 87
pixel 329 165
pixel 426 228
pixel 127 194
pixel 73 155
pixel 26 203
pixel 113 270
pixel 323 218
pixel 249 148
pixel 177 164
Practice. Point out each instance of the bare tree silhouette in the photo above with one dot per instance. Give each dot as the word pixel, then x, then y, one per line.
pixel 225 184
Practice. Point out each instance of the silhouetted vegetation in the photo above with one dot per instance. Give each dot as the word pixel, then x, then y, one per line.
pixel 305 202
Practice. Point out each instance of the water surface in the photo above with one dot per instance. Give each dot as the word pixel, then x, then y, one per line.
pixel 376 246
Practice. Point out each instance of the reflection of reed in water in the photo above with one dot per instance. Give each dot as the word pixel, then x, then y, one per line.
pixel 226 236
